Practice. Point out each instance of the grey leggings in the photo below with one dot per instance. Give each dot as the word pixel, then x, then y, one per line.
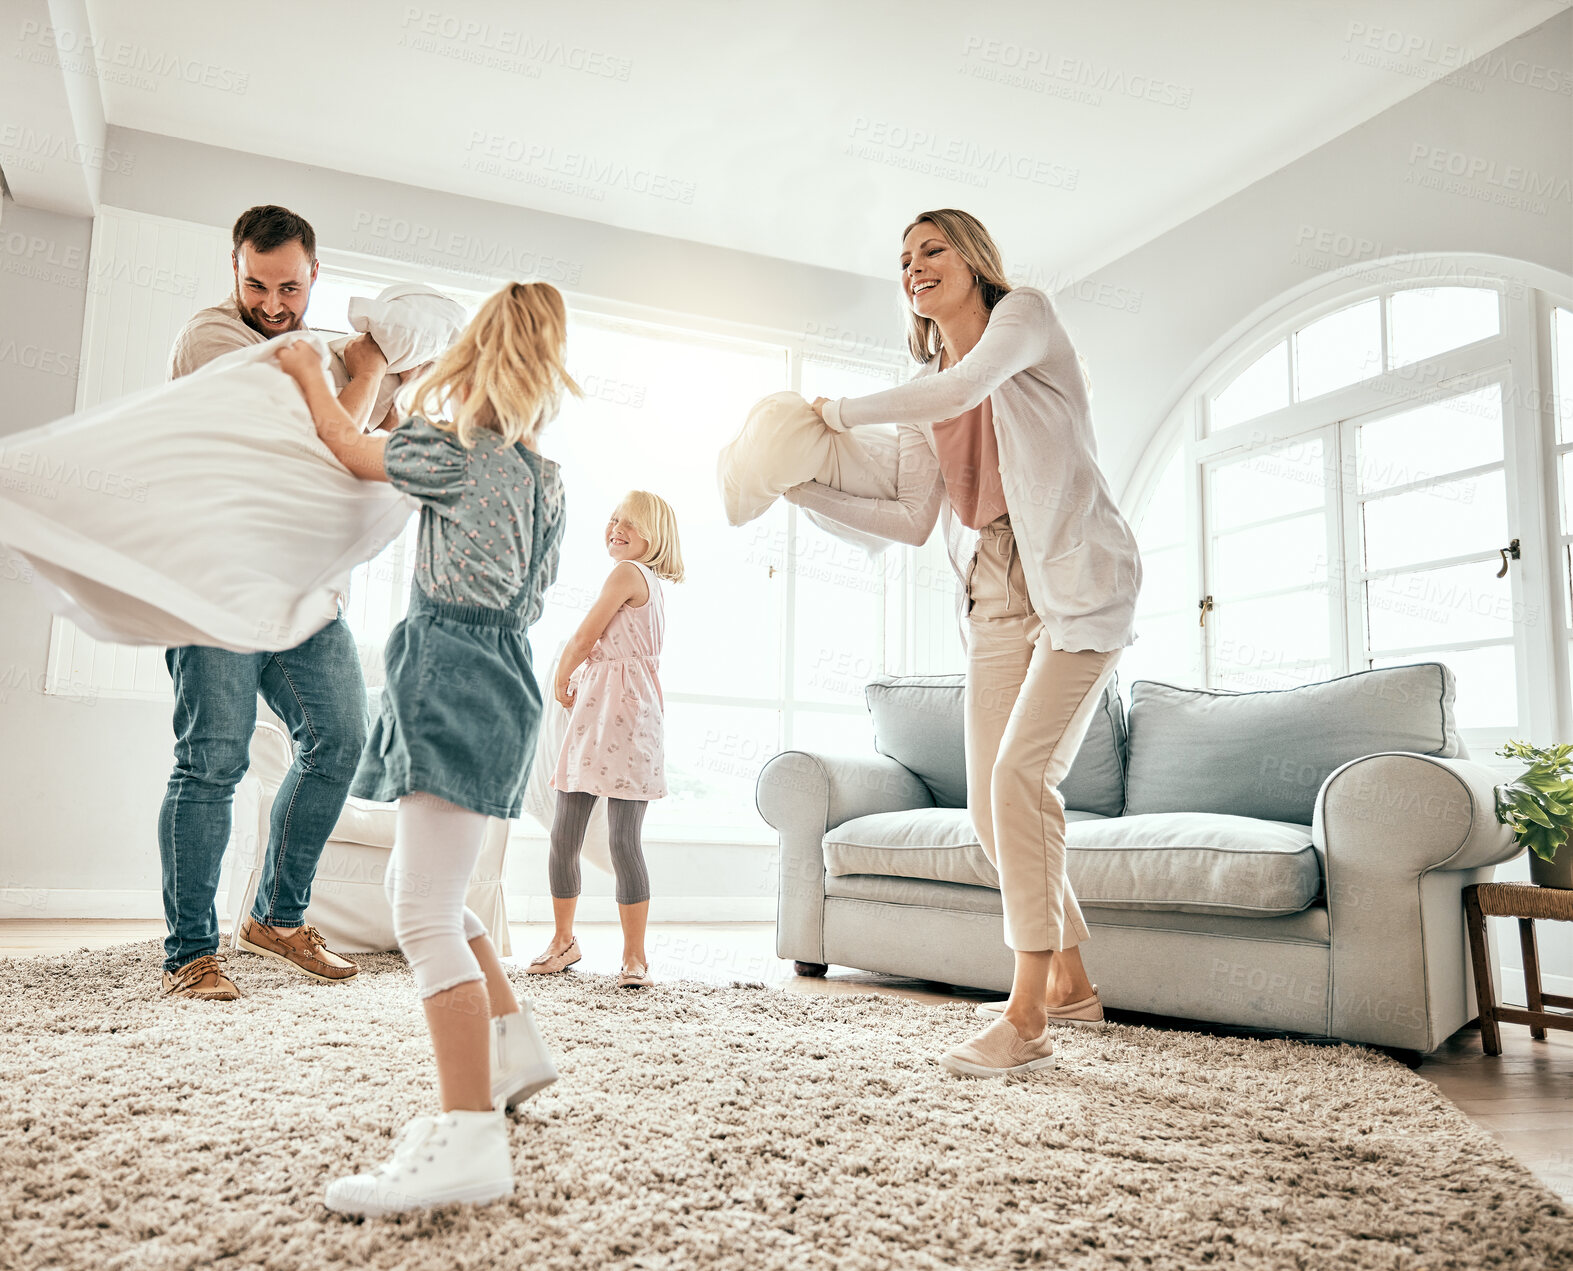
pixel 625 817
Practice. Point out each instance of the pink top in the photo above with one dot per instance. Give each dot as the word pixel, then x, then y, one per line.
pixel 969 464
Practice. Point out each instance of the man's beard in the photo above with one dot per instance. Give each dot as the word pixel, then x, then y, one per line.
pixel 250 317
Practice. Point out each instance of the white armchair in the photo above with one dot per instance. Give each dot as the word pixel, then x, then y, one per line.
pixel 347 901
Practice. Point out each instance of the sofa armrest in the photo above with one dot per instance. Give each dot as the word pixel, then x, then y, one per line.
pixel 1407 814
pixel 802 796
pixel 1401 835
pixel 797 789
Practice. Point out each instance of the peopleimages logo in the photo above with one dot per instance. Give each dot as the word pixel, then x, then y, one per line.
pixel 953 158
pixel 29 149
pixel 418 243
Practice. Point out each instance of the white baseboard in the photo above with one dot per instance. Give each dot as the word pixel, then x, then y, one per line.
pixel 40 903
pixel 1510 985
pixel 662 909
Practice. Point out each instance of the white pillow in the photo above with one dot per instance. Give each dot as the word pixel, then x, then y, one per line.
pixel 411 323
pixel 783 443
pixel 203 511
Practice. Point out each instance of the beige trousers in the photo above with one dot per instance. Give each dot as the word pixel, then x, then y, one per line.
pixel 1027 709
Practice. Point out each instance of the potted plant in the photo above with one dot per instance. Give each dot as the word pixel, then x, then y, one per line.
pixel 1538 808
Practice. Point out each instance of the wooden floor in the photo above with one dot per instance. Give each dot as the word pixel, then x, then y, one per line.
pixel 1522 1097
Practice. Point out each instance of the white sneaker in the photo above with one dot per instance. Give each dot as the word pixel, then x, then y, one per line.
pixel 458 1157
pixel 521 1064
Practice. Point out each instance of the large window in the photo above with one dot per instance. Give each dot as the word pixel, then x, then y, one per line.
pixel 1366 491
pixel 777 627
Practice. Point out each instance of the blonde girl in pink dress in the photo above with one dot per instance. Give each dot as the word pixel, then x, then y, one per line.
pixel 608 679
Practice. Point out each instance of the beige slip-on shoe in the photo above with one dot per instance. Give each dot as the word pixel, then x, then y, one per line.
pixel 634 976
pixel 550 963
pixel 998 1051
pixel 1087 1012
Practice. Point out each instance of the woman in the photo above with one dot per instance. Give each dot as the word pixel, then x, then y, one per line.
pixel 996 439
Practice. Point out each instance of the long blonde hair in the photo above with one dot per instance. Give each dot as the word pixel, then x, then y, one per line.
pixel 653 517
pixel 506 372
pixel 967 235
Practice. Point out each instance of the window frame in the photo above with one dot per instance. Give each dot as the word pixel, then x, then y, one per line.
pixel 1521 353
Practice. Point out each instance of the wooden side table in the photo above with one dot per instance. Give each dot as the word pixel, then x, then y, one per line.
pixel 1526 902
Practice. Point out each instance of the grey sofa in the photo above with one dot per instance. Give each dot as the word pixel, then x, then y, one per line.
pixel 1289 861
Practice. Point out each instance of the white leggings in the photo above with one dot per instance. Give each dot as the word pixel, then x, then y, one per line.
pixel 435 847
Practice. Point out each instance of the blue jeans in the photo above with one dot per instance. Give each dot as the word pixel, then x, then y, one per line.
pixel 317 689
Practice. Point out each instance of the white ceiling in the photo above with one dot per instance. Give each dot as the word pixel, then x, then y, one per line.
pixel 754 114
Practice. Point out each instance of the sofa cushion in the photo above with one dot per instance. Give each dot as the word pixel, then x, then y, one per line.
pixel 934 843
pixel 1194 862
pixel 1266 754
pixel 1187 862
pixel 918 722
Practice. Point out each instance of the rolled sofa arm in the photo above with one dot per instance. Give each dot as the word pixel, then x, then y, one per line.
pixel 1401 835
pixel 1414 813
pixel 803 796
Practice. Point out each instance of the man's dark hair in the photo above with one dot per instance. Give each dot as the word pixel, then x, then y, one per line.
pixel 268 227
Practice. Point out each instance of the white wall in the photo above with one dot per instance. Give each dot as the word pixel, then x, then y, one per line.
pixel 81 780
pixel 1146 322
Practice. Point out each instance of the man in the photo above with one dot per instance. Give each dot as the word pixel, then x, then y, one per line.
pixel 316 687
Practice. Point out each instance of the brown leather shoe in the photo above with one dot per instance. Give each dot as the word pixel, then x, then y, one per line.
pixel 202 978
pixel 304 949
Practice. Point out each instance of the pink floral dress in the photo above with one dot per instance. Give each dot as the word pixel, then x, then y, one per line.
pixel 615 745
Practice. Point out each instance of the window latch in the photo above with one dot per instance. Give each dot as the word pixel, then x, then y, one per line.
pixel 1205 604
pixel 1510 551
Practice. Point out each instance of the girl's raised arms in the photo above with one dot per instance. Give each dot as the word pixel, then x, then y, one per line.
pixel 360 453
pixel 624 585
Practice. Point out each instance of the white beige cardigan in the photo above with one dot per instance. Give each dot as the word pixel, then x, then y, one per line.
pixel 1082 568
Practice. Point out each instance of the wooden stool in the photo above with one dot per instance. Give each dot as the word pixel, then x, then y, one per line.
pixel 1526 902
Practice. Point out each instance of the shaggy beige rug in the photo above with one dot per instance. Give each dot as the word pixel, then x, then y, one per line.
pixel 720 1128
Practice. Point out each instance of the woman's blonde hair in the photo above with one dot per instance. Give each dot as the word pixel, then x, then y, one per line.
pixel 653 517
pixel 966 234
pixel 505 373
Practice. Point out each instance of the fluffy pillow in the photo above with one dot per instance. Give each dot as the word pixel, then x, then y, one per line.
pixel 411 323
pixel 203 511
pixel 783 444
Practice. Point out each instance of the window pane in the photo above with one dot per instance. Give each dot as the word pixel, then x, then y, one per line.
pixel 1449 518
pixel 1163 519
pixel 1166 649
pixel 653 407
pixel 1562 337
pixel 838 646
pixel 824 733
pixel 1254 635
pixel 1425 608
pixel 1432 320
pixel 1434 439
pixel 1269 678
pixel 1269 484
pixel 1487 684
pixel 328 307
pixel 832 378
pixel 713 757
pixel 379 596
pixel 1290 553
pixel 1342 348
pixel 1261 387
pixel 1165 585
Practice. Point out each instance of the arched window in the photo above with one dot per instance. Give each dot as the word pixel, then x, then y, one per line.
pixel 1380 476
